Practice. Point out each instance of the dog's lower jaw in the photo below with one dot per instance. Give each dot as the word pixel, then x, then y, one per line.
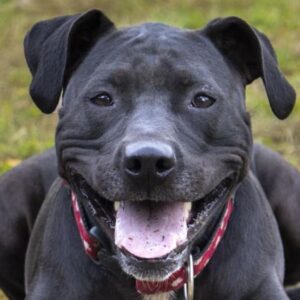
pixel 161 296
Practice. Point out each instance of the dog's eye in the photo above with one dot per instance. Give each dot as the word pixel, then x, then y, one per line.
pixel 102 99
pixel 202 101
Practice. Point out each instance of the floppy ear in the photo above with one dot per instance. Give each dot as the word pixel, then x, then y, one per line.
pixel 253 56
pixel 55 47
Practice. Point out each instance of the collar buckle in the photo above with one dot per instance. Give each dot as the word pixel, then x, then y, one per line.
pixel 188 288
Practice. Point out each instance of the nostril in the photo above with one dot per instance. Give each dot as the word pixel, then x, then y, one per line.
pixel 134 165
pixel 164 165
pixel 160 165
pixel 148 162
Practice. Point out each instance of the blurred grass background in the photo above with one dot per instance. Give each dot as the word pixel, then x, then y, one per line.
pixel 24 131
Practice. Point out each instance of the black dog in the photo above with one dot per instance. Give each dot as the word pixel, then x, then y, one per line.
pixel 23 189
pixel 153 117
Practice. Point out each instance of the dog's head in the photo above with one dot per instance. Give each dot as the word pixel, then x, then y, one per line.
pixel 153 123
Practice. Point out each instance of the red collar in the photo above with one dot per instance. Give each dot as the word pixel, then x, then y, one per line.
pixel 179 277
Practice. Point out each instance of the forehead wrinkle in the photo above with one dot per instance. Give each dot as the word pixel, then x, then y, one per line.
pixel 119 76
pixel 105 73
pixel 182 75
pixel 154 56
pixel 154 71
pixel 160 69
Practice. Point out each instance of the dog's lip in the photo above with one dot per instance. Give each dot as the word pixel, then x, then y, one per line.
pixel 203 210
pixel 152 269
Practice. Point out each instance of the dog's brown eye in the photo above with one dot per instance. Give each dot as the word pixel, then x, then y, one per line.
pixel 202 101
pixel 102 99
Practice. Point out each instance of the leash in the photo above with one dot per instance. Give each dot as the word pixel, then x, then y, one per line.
pixel 182 278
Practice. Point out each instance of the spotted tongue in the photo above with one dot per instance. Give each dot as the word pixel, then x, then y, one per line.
pixel 151 229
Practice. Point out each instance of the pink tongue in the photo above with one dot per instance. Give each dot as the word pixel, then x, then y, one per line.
pixel 150 230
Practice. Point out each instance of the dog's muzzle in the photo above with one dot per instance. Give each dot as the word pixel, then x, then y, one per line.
pixel 183 277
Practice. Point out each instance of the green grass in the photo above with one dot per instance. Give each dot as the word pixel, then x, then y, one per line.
pixel 24 131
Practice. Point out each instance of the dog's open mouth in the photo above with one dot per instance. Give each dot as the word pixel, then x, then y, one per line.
pixel 152 231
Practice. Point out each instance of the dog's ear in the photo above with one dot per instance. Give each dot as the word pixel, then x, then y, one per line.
pixel 55 47
pixel 252 54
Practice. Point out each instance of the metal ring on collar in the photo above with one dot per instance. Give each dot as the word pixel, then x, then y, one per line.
pixel 189 285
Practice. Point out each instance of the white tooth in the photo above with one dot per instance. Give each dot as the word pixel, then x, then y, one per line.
pixel 187 209
pixel 188 206
pixel 116 205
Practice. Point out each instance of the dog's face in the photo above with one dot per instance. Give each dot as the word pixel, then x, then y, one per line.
pixel 158 89
pixel 143 122
pixel 154 127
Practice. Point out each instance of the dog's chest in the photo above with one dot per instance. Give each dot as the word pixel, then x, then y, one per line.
pixel 162 296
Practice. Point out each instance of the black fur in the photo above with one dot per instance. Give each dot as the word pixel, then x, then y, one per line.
pixel 152 72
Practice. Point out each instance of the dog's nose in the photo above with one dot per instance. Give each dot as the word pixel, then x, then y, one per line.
pixel 148 163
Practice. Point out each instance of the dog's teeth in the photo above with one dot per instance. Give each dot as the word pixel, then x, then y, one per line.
pixel 116 205
pixel 187 209
pixel 188 206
